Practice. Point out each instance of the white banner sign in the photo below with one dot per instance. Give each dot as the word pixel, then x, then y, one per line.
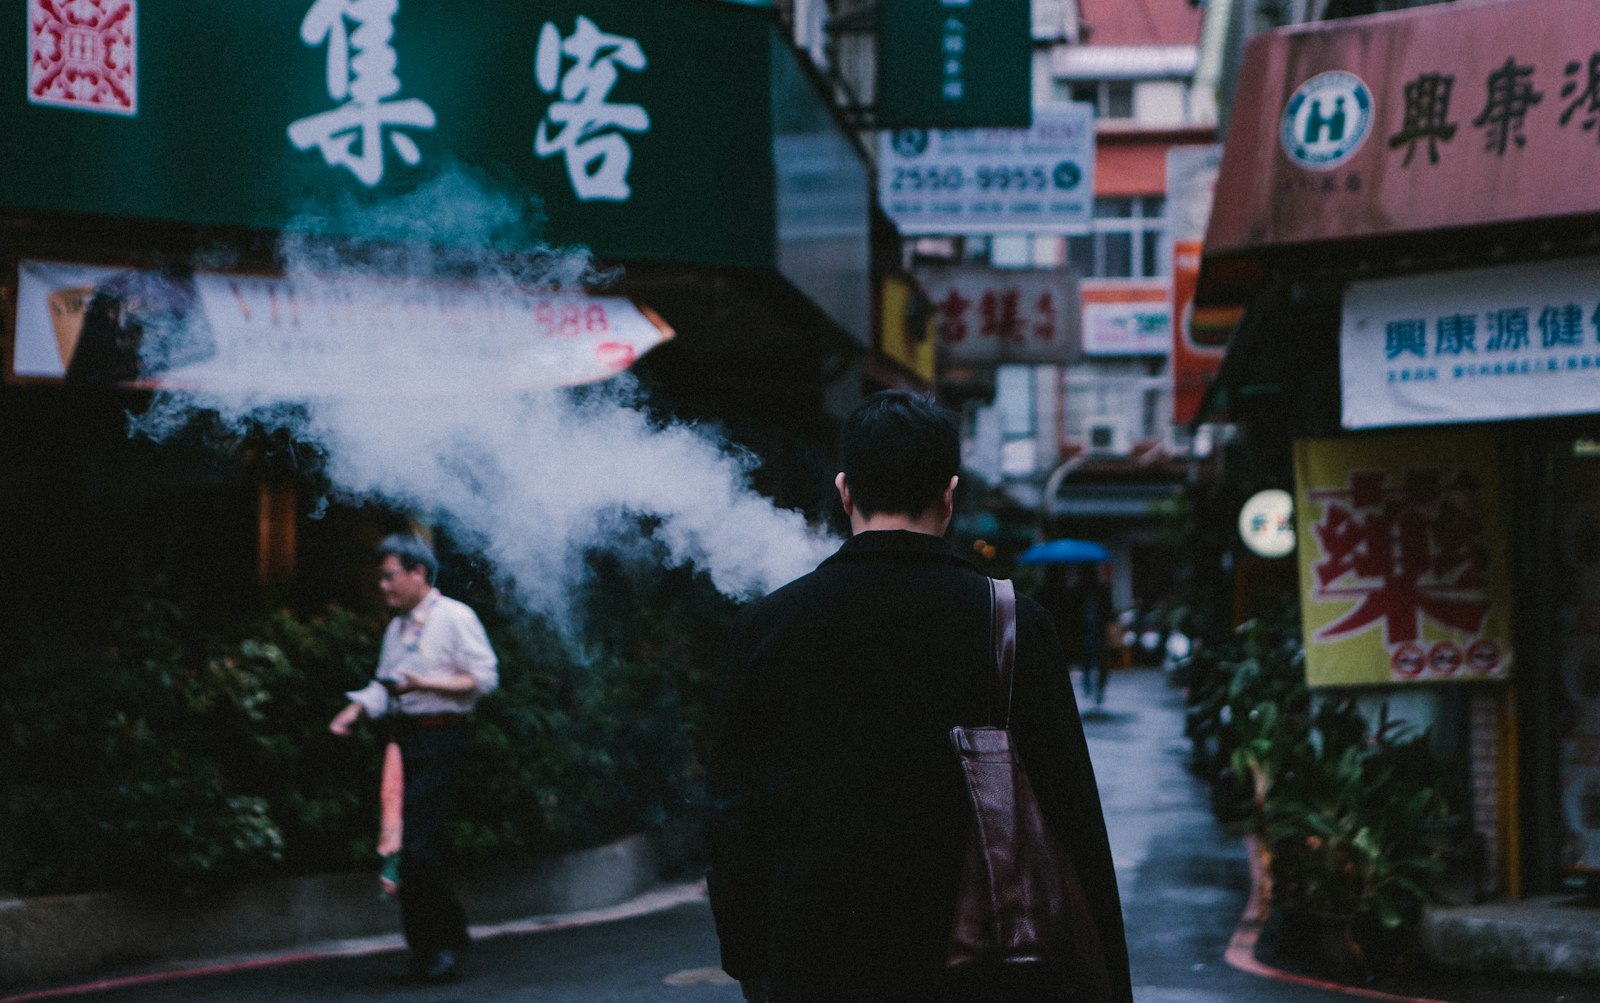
pixel 217 331
pixel 1517 341
pixel 1129 328
pixel 990 317
pixel 948 181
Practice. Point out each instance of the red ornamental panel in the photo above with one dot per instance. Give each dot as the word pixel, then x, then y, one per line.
pixel 83 54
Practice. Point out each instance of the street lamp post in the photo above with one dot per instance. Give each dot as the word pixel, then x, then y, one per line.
pixel 1052 484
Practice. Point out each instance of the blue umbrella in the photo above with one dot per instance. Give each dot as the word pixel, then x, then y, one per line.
pixel 1065 552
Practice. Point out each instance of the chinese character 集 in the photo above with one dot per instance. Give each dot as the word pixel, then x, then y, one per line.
pixel 360 73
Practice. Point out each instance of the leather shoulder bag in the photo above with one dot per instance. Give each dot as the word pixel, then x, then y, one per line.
pixel 1020 900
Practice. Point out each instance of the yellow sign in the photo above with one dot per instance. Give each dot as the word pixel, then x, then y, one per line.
pixel 913 349
pixel 1404 573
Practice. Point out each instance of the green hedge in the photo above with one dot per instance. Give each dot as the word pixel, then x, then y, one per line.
pixel 182 757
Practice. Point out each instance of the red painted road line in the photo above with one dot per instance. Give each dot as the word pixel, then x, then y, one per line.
pixel 170 976
pixel 647 903
pixel 1241 953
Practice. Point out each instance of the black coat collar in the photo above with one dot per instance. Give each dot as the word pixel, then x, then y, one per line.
pixel 898 544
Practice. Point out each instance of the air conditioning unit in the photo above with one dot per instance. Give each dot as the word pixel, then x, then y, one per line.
pixel 1108 436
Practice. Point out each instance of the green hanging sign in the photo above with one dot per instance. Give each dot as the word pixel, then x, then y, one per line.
pixel 954 64
pixel 612 114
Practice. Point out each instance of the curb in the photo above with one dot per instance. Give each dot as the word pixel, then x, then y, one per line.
pixel 650 902
pixel 1241 952
pixel 63 937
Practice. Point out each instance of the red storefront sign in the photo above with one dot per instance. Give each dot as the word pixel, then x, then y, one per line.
pixel 1441 117
pixel 987 317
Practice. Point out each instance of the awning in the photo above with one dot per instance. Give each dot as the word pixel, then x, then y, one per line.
pixel 315 334
pixel 1434 119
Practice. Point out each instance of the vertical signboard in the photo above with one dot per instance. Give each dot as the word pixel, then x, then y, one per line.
pixel 1199 338
pixel 954 64
pixel 1404 572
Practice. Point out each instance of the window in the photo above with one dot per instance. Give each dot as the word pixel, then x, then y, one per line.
pixel 1109 98
pixel 1014 400
pixel 1124 242
pixel 1013 396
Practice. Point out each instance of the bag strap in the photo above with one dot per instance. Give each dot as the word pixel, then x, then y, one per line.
pixel 1003 632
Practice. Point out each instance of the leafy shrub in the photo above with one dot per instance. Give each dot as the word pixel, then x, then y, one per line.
pixel 182 757
pixel 1358 822
pixel 1354 819
pixel 1246 691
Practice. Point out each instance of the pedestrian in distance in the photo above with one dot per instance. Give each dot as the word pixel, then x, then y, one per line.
pixel 839 820
pixel 1102 635
pixel 434 665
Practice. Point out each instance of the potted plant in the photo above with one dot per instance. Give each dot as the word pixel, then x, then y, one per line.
pixel 1358 830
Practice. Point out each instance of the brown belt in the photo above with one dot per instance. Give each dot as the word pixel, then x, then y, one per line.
pixel 431 720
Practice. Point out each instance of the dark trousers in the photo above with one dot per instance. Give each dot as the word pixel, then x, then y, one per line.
pixel 430 914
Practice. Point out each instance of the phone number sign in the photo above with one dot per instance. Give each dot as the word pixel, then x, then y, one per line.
pixel 963 181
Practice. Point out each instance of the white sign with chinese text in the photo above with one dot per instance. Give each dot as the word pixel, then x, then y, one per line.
pixel 1127 328
pixel 339 334
pixel 1518 341
pixel 1034 180
pixel 987 317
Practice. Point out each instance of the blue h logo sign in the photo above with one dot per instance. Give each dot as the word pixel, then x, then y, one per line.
pixel 1316 123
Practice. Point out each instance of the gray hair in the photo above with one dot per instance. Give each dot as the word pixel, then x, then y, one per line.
pixel 411 552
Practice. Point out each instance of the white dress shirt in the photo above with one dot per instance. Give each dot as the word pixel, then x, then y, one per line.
pixel 438 638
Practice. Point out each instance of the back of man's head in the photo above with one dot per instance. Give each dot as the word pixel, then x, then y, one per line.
pixel 898 451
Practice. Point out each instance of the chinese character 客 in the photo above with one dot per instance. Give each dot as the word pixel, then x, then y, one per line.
pixel 1510 329
pixel 360 73
pixel 1427 116
pixel 597 159
pixel 1511 96
pixel 1403 553
pixel 1588 98
pixel 1403 336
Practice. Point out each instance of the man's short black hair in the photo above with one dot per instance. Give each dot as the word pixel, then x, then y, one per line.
pixel 412 553
pixel 898 451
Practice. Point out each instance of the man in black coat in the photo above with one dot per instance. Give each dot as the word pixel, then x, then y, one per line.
pixel 839 821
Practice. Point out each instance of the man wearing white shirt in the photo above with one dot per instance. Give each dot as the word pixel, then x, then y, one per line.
pixel 434 665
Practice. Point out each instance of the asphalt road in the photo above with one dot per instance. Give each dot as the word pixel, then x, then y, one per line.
pixel 1184 882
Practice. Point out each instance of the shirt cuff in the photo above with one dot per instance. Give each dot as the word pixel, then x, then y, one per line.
pixel 373 698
